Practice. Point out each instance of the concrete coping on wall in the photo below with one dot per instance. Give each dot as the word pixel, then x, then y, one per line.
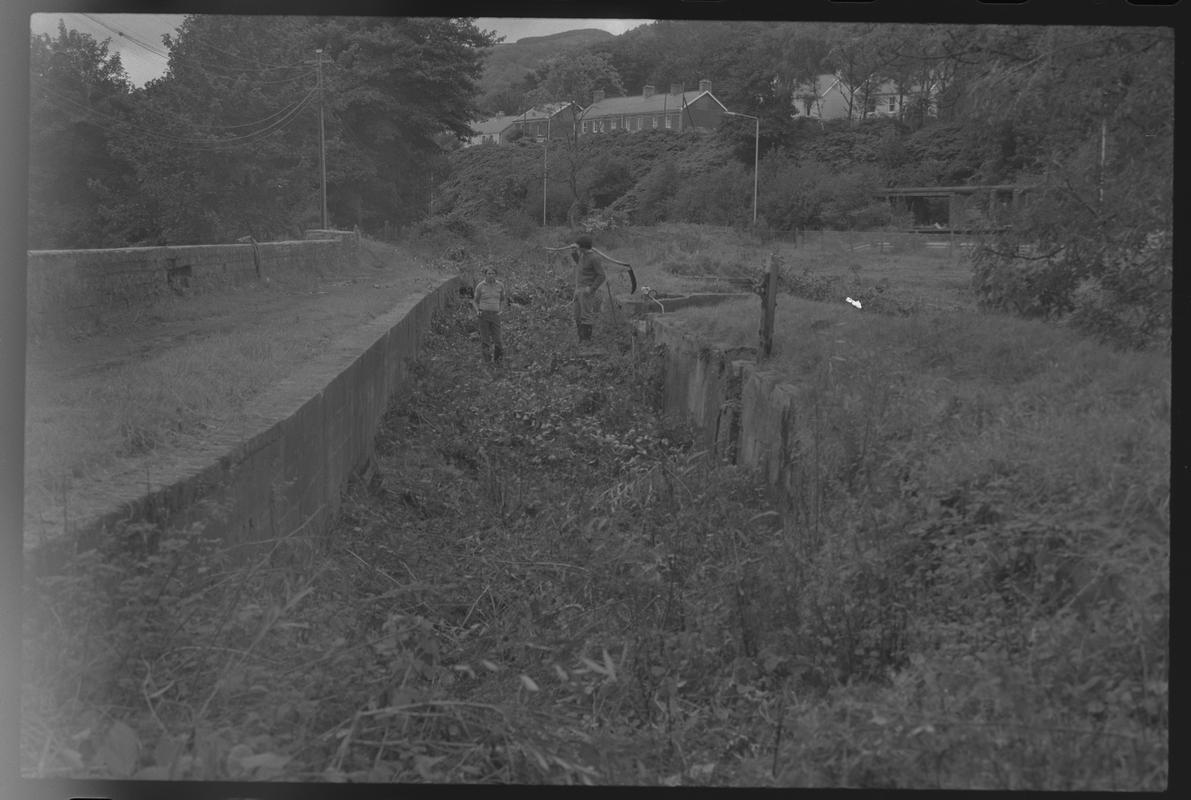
pixel 330 233
pixel 638 305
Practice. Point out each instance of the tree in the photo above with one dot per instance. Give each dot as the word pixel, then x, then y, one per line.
pixel 230 135
pixel 235 136
pixel 78 96
pixel 573 78
pixel 1093 111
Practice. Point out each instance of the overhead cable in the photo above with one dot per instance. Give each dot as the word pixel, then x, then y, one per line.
pixel 117 124
pixel 215 66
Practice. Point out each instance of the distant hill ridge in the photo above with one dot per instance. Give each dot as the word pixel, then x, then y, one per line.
pixel 587 35
pixel 506 64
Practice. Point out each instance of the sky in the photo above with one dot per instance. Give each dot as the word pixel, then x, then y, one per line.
pixel 137 37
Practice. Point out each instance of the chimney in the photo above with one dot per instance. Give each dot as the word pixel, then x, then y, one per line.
pixel 647 91
pixel 597 96
pixel 676 88
pixel 704 86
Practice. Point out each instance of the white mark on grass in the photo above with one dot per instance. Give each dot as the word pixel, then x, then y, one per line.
pixel 852 302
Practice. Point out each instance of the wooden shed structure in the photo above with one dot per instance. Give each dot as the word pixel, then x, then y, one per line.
pixel 955 209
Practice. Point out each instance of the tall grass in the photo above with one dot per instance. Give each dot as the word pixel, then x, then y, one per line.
pixel 188 382
pixel 81 426
pixel 540 582
pixel 982 528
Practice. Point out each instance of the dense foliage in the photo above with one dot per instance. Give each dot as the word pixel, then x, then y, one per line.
pixel 227 142
pixel 76 88
pixel 1093 112
pixel 1081 117
pixel 541 579
pixel 509 66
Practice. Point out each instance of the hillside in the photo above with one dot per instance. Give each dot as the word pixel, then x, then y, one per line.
pixel 508 63
pixel 493 182
pixel 814 176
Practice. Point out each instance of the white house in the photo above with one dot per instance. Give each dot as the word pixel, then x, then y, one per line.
pixel 830 97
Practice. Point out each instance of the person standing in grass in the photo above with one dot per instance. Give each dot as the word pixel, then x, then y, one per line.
pixel 489 300
pixel 589 277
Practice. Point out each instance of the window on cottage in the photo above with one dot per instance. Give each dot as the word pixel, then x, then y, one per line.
pixel 612 124
pixel 870 104
pixel 655 120
pixel 586 126
pixel 892 103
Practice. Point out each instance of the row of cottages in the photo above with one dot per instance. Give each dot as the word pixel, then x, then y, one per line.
pixel 678 110
pixel 830 97
pixel 552 119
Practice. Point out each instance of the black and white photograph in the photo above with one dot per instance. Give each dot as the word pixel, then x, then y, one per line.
pixel 673 401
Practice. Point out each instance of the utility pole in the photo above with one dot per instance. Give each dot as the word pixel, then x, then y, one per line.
pixel 545 150
pixel 768 306
pixel 1103 158
pixel 756 153
pixel 322 136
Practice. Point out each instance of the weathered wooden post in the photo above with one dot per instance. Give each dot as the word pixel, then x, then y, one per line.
pixel 768 292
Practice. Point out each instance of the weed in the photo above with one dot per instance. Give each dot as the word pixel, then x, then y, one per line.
pixel 541 581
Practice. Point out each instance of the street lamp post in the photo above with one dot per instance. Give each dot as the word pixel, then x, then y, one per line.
pixel 756 154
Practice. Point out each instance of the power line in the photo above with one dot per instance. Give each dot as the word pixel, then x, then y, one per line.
pixel 121 125
pixel 167 114
pixel 213 66
pixel 123 35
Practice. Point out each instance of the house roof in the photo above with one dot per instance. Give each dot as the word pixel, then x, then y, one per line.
pixel 654 104
pixel 494 124
pixel 504 121
pixel 543 112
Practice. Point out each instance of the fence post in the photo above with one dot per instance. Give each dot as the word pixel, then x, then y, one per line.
pixel 768 307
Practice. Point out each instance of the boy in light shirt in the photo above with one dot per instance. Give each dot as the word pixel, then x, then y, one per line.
pixel 489 300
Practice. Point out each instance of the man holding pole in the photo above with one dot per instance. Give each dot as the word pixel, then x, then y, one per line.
pixel 589 276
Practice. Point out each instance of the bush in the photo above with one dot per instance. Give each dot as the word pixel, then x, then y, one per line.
pixel 654 193
pixel 1120 294
pixel 720 197
pixel 1027 286
pixel 795 196
pixel 1129 302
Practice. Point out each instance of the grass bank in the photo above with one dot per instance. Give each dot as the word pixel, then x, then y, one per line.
pixel 539 581
pixel 165 377
pixel 983 519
